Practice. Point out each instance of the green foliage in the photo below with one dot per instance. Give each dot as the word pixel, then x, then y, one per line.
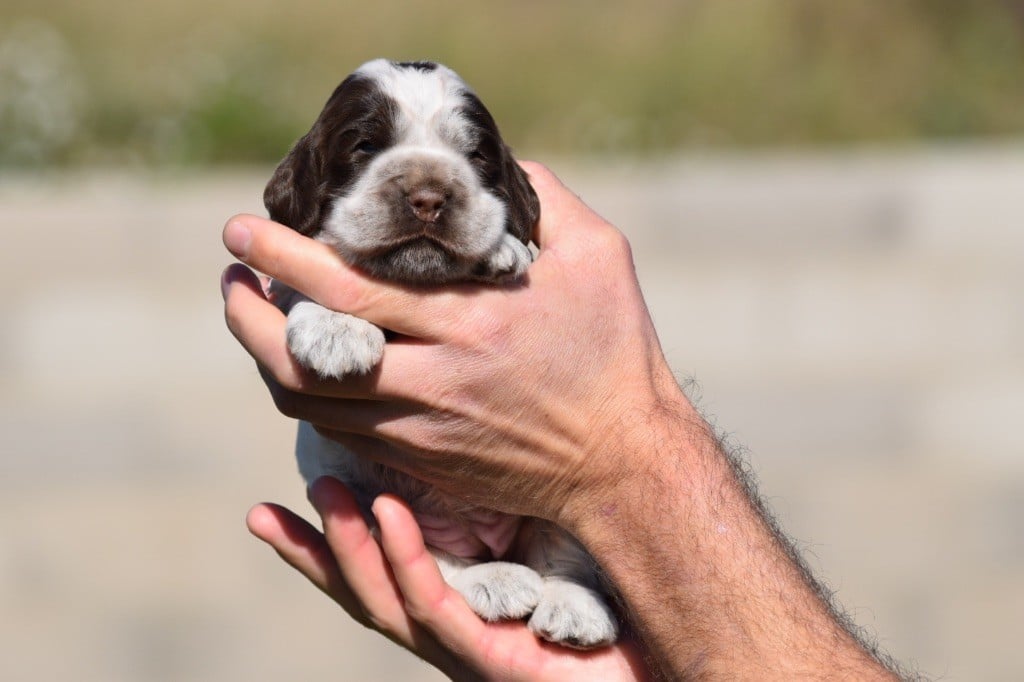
pixel 110 81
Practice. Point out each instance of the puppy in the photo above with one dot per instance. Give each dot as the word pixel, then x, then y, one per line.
pixel 404 173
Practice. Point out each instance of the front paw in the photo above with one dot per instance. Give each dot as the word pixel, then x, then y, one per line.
pixel 574 616
pixel 499 590
pixel 332 344
pixel 508 262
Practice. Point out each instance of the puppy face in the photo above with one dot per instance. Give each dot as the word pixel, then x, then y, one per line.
pixel 406 175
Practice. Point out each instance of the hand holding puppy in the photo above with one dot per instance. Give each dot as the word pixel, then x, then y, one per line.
pixel 573 350
pixel 552 399
pixel 395 587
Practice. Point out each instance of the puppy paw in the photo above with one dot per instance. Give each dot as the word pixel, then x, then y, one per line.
pixel 499 590
pixel 508 262
pixel 574 616
pixel 332 344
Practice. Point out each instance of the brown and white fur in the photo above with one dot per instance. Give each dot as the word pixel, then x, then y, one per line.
pixel 405 174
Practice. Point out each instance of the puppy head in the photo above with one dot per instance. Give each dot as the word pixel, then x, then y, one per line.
pixel 406 175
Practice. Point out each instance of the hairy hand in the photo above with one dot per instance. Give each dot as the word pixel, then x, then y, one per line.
pixel 395 588
pixel 517 398
pixel 549 399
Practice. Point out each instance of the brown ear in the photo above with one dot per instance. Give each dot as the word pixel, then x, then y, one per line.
pixel 295 194
pixel 523 204
pixel 503 174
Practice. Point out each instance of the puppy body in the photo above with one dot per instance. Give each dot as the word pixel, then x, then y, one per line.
pixel 405 174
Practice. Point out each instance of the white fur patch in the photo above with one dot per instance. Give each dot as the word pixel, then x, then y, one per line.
pixel 509 261
pixel 332 344
pixel 428 104
pixel 497 590
pixel 362 221
pixel 573 615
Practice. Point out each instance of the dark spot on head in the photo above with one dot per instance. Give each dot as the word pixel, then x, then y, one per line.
pixel 418 65
pixel 499 172
pixel 356 123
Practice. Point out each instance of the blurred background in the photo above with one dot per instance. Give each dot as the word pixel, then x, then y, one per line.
pixel 826 203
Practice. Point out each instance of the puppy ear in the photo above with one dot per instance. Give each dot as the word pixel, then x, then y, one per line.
pixel 503 174
pixel 523 204
pixel 295 194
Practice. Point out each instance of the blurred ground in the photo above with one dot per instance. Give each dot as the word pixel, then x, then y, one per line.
pixel 855 321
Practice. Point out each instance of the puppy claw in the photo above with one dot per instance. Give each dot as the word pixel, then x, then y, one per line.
pixel 332 344
pixel 573 615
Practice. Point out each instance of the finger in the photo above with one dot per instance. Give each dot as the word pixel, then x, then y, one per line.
pixel 360 559
pixel 371 428
pixel 445 615
pixel 316 270
pixel 369 576
pixel 428 599
pixel 303 548
pixel 260 327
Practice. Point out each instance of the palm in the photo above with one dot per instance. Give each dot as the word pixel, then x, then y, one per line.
pixel 513 648
pixel 395 587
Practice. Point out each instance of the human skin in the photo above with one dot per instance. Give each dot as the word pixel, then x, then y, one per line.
pixel 550 399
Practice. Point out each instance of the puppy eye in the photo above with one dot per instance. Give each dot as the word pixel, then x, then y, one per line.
pixel 366 147
pixel 477 157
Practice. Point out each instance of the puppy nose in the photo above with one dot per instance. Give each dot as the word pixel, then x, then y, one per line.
pixel 426 203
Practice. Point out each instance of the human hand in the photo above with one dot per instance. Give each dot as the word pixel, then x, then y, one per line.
pixel 395 587
pixel 551 399
pixel 520 399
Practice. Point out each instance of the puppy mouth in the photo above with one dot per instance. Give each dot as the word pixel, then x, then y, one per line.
pixel 419 259
pixel 423 240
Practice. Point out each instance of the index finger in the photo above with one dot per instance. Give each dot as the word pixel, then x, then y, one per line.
pixel 428 599
pixel 317 271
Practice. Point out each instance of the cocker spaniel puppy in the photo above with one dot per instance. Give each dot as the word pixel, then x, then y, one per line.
pixel 405 174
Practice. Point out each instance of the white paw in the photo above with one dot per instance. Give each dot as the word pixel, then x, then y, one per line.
pixel 332 344
pixel 499 590
pixel 574 616
pixel 509 261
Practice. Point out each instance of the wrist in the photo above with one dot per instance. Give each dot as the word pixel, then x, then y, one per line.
pixel 703 575
pixel 641 454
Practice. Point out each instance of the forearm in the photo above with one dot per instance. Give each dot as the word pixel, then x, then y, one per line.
pixel 709 586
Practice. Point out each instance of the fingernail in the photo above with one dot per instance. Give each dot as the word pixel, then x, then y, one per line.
pixel 236 238
pixel 315 492
pixel 226 278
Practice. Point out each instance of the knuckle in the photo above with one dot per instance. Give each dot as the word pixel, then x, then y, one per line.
pixel 613 242
pixel 610 247
pixel 291 381
pixel 287 402
pixel 534 168
pixel 484 328
pixel 281 373
pixel 418 612
pixel 347 292
pixel 372 621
